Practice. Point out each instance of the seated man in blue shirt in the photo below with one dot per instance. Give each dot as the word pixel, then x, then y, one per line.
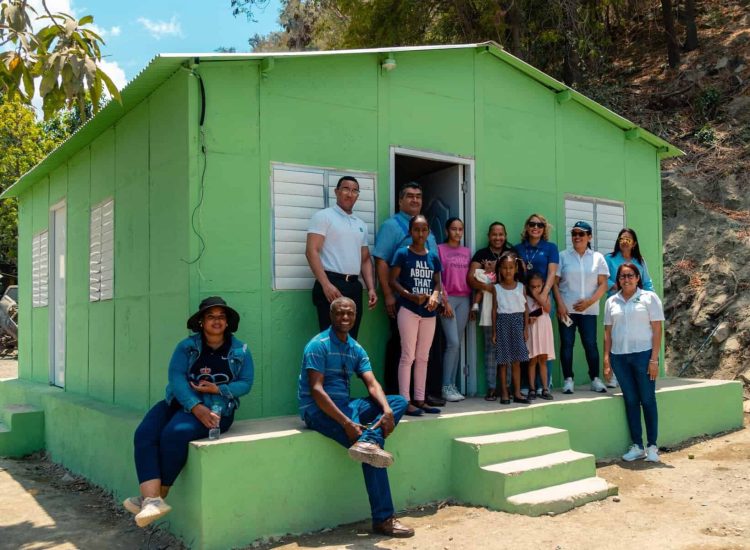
pixel 361 425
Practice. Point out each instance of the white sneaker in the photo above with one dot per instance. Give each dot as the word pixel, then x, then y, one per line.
pixel 152 509
pixel 448 394
pixel 524 391
pixel 635 453
pixel 457 393
pixel 652 454
pixel 612 383
pixel 598 386
pixel 568 385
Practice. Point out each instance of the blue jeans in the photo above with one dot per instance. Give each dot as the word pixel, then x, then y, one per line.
pixel 364 411
pixel 586 325
pixel 638 391
pixel 453 329
pixel 161 441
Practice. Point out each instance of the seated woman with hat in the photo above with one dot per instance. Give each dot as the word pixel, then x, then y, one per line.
pixel 208 372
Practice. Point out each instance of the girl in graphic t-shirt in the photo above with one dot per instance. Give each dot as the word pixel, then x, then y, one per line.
pixel 415 279
pixel 510 316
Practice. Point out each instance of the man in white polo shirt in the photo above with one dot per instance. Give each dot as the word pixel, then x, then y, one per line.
pixel 337 253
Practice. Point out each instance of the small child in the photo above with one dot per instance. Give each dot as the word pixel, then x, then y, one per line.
pixel 510 315
pixel 540 341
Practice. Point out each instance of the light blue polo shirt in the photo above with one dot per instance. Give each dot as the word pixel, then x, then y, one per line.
pixel 394 234
pixel 337 361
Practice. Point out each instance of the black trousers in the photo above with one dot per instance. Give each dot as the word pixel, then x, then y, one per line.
pixel 434 364
pixel 351 289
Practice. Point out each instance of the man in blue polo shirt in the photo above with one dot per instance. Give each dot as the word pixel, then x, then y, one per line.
pixel 361 425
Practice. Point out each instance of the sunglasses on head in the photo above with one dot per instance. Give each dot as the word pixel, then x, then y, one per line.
pixel 540 225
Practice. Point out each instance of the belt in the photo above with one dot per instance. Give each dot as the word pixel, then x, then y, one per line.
pixel 341 276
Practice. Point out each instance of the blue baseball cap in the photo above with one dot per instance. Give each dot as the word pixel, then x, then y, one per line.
pixel 583 225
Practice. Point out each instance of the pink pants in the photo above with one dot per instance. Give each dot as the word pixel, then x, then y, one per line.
pixel 416 338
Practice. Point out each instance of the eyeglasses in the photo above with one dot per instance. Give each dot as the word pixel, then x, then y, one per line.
pixel 219 317
pixel 625 240
pixel 539 225
pixel 349 191
pixel 625 276
pixel 578 234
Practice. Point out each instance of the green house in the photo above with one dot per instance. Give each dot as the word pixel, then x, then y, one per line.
pixel 202 183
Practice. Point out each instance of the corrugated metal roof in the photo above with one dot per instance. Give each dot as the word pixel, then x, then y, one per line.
pixel 161 67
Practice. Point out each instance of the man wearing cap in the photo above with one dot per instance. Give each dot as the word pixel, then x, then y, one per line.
pixel 392 235
pixel 361 425
pixel 337 253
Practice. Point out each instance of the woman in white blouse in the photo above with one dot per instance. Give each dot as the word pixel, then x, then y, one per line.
pixel 632 340
pixel 580 283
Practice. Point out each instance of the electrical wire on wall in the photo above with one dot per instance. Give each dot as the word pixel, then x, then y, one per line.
pixel 197 210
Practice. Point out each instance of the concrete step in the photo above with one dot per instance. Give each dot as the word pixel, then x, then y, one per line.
pixel 24 430
pixel 501 447
pixel 537 472
pixel 561 498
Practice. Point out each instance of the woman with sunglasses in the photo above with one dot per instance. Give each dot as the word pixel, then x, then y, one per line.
pixel 627 251
pixel 632 340
pixel 208 373
pixel 580 284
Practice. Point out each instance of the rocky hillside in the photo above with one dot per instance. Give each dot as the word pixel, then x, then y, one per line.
pixel 703 107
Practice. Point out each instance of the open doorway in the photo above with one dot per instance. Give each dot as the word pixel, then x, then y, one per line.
pixel 447 188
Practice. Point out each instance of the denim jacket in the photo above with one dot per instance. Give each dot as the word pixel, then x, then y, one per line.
pixel 186 353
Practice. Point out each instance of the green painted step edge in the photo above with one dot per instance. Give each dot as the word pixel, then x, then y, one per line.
pixel 492 453
pixel 553 474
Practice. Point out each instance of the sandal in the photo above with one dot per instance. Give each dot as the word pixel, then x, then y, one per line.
pixel 505 401
pixel 532 394
pixel 491 395
pixel 547 395
pixel 522 400
pixel 424 407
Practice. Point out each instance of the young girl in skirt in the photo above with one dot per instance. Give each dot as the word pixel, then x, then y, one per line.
pixel 540 342
pixel 511 318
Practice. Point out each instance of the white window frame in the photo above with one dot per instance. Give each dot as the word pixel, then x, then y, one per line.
pixel 599 209
pixel 293 210
pixel 102 251
pixel 40 269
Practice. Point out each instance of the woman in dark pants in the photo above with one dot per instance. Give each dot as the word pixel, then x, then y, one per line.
pixel 208 372
pixel 632 340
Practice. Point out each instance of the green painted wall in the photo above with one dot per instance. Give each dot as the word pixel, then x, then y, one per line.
pixel 326 111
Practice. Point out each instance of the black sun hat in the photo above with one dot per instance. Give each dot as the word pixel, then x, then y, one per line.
pixel 233 318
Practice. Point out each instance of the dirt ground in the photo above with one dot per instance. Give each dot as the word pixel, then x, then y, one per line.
pixel 697 498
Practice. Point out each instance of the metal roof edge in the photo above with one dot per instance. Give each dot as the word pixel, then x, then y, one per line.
pixel 664 148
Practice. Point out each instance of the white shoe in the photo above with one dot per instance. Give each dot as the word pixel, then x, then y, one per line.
pixel 457 393
pixel 652 454
pixel 524 391
pixel 449 395
pixel 133 504
pixel 598 386
pixel 151 510
pixel 635 453
pixel 612 383
pixel 568 385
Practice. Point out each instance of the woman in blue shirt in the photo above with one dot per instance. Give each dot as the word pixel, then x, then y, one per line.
pixel 627 251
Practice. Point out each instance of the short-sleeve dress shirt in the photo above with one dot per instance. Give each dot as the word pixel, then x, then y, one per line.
pixel 631 320
pixel 345 235
pixel 579 277
pixel 337 360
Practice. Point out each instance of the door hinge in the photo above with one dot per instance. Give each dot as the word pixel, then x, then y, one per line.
pixel 464 187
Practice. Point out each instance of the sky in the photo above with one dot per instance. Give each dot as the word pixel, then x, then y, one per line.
pixel 136 30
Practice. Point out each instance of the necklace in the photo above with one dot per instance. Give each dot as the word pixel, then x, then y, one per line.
pixel 530 261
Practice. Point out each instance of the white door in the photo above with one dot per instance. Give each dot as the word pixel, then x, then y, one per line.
pixel 57 242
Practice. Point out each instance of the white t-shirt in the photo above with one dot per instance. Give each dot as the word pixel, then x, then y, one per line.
pixel 345 235
pixel 579 278
pixel 510 301
pixel 631 320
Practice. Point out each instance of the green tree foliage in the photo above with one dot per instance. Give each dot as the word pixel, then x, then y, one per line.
pixel 64 53
pixel 23 143
pixel 570 39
